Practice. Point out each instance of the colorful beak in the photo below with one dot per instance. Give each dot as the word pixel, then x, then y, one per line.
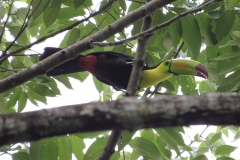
pixel 185 67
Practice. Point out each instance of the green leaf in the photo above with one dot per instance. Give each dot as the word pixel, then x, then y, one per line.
pixel 231 4
pixel 205 28
pixel 90 134
pixel 236 33
pixel 36 150
pixel 200 157
pixel 175 31
pixel 202 150
pixel 64 80
pixel 38 7
pixel 168 85
pixel 216 137
pixel 98 84
pixel 15 63
pixel 162 147
pixel 206 87
pixel 78 3
pixel 177 138
pixel 95 149
pixel 224 150
pixel 148 134
pixel 125 139
pixel 168 140
pixel 2 11
pixel 51 14
pixel 115 156
pixel 122 4
pixel 73 37
pixel 145 147
pixel 222 30
pixel 230 83
pixel 77 146
pixel 35 96
pixel 231 43
pixel 226 57
pixel 225 158
pixel 81 76
pixel 136 27
pixel 20 156
pixel 22 101
pixel 191 35
pixel 69 12
pixel 50 150
pixel 237 136
pixel 188 84
pixel 14 97
pixel 135 155
pixel 225 132
pixel 40 89
pixel 64 148
pixel 211 51
pixel 23 39
pixel 167 42
pixel 198 138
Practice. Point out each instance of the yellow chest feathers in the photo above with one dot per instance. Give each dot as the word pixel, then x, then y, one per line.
pixel 153 77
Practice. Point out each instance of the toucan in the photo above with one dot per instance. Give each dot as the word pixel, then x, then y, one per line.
pixel 114 69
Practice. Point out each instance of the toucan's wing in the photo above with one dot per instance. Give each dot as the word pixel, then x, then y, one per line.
pixel 112 54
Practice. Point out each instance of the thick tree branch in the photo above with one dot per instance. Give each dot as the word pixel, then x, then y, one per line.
pixel 83 45
pixel 128 113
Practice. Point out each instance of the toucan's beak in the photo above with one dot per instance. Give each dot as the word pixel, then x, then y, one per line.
pixel 184 67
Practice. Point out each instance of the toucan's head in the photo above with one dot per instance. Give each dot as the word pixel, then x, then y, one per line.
pixel 184 67
pixel 168 68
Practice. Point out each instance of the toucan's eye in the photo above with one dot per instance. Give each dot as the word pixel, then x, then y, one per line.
pixel 167 63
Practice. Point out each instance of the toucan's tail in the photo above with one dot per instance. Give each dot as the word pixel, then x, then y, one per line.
pixel 70 66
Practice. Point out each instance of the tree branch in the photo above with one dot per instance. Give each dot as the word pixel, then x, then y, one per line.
pixel 57 32
pixel 150 31
pixel 132 88
pixel 128 113
pixel 23 27
pixel 83 45
pixel 5 24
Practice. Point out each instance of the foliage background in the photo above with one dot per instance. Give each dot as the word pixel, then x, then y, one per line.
pixel 211 37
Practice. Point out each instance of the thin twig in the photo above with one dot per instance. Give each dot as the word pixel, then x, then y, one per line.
pixel 192 141
pixel 23 27
pixel 156 88
pixel 179 49
pixel 16 55
pixel 136 1
pixel 8 70
pixel 5 24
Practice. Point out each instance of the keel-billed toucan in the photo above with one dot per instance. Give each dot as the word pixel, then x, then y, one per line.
pixel 114 68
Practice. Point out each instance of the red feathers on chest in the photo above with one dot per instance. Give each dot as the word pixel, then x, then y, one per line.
pixel 88 63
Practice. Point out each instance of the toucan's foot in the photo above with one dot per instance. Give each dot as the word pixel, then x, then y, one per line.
pixel 131 62
pixel 118 89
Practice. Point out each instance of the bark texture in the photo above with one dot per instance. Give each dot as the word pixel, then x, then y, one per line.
pixel 128 113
